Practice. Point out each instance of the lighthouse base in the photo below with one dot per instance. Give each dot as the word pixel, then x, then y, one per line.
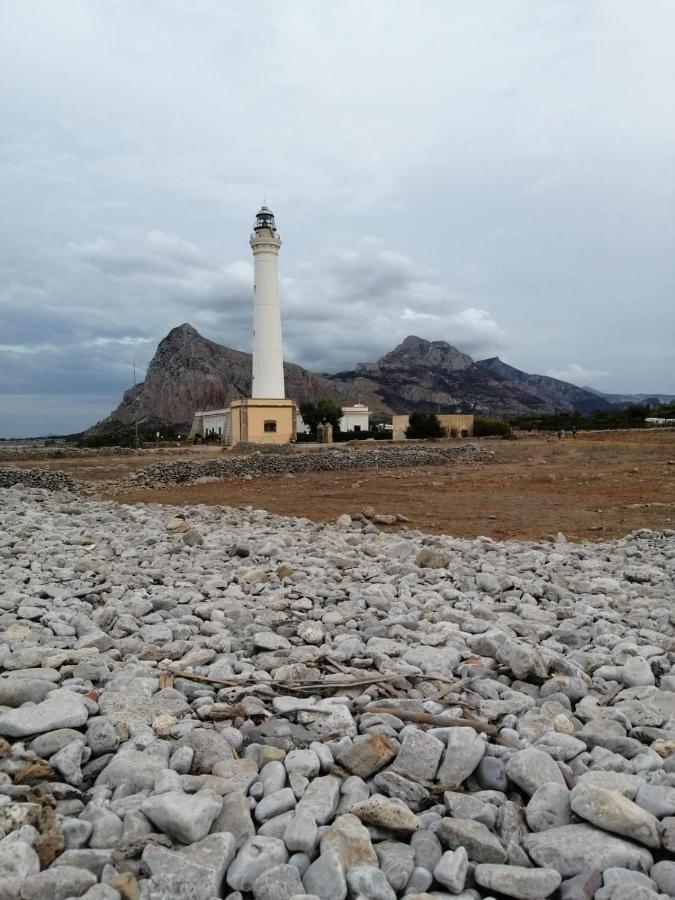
pixel 258 420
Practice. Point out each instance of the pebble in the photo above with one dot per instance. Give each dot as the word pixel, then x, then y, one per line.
pixel 465 750
pixel 57 884
pixel 516 881
pixel 419 755
pixel 300 835
pixel 613 812
pixel 235 818
pixel 253 859
pixel 203 864
pixel 370 883
pixel 278 883
pixel 479 842
pixel 185 819
pixel 663 875
pixel 349 841
pixel 60 709
pixel 321 798
pixel 366 756
pixel 325 877
pixel 531 768
pixel 391 815
pixel 451 869
pixel 18 862
pixel 572 848
pixel 275 804
pixel 397 861
pixel 548 807
pixel 237 774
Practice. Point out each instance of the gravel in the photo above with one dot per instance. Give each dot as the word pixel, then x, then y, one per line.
pixel 273 708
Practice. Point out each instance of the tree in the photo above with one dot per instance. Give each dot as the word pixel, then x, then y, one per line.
pixel 424 425
pixel 324 410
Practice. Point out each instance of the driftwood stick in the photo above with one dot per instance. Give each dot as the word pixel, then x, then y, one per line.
pixel 293 686
pixel 427 719
pixel 94 589
pixel 192 676
pixel 304 687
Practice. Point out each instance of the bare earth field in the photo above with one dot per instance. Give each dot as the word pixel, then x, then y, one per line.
pixel 601 485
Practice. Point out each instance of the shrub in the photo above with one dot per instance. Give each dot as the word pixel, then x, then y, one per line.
pixel 490 426
pixel 424 425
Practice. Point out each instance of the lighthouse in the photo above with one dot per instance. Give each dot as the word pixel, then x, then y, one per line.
pixel 266 417
pixel 268 358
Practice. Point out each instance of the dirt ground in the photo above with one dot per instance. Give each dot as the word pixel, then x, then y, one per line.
pixel 598 486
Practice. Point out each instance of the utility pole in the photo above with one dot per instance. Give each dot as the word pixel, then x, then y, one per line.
pixel 136 398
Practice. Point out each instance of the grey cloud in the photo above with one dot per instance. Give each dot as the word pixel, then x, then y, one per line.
pixel 576 374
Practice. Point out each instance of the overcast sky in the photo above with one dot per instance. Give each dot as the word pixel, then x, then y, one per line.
pixel 496 174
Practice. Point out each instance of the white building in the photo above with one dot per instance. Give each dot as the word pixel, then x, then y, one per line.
pixel 354 418
pixel 213 423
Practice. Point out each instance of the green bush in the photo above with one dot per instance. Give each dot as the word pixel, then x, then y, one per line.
pixel 125 435
pixel 424 425
pixel 630 416
pixel 490 426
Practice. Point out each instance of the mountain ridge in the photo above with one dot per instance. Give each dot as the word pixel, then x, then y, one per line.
pixel 190 372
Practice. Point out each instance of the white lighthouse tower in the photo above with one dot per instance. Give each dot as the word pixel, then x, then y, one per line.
pixel 266 417
pixel 268 359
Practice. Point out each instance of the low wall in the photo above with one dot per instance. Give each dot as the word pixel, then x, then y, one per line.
pixel 247 447
pixel 324 460
pixel 10 454
pixel 36 478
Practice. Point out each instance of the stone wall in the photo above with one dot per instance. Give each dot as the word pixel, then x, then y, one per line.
pixel 248 447
pixel 35 452
pixel 37 478
pixel 324 460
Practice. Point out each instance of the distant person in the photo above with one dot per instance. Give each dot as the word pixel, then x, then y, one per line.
pixel 574 431
pixel 561 434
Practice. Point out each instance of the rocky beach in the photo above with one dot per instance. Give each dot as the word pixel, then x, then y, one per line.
pixel 207 702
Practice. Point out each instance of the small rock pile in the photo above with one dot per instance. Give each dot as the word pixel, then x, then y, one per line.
pixel 205 703
pixel 36 478
pixel 266 463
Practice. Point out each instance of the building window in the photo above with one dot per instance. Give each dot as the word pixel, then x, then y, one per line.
pixel 270 425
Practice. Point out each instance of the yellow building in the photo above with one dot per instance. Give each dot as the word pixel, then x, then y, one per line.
pixel 256 420
pixel 454 425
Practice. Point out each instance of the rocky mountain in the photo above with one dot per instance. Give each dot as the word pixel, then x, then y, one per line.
pixel 423 375
pixel 189 372
pixel 561 394
pixel 416 353
pixel 625 400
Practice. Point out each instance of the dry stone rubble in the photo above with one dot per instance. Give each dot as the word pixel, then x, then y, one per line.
pixel 36 478
pixel 10 452
pixel 207 703
pixel 285 463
